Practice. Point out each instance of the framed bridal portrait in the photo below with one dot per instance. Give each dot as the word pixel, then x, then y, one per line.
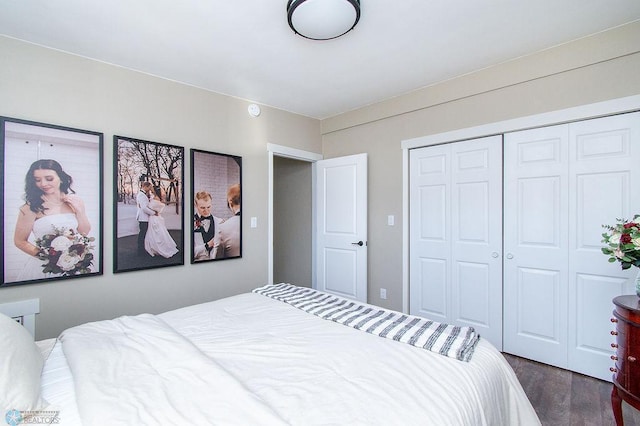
pixel 216 229
pixel 52 202
pixel 148 204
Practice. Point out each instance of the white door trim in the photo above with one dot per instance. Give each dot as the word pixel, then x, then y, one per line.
pixel 582 112
pixel 297 154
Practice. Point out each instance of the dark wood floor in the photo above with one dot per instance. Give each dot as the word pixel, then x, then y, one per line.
pixel 561 397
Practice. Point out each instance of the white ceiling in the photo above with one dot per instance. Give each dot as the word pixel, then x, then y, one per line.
pixel 244 48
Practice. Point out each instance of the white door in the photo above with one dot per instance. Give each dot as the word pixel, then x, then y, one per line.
pixel 604 173
pixel 535 244
pixel 341 226
pixel 562 183
pixel 456 234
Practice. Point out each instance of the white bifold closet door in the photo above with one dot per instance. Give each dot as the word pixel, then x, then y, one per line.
pixel 562 183
pixel 456 234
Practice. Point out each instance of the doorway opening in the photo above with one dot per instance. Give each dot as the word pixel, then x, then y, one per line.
pixel 291 222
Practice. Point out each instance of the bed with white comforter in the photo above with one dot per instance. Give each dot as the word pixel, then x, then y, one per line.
pixel 255 360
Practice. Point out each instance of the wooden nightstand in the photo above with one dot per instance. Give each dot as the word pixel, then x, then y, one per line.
pixel 626 377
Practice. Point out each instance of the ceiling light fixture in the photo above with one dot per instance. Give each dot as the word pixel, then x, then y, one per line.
pixel 323 19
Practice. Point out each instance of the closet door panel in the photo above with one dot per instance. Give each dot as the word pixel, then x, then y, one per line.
pixel 430 242
pixel 535 244
pixel 589 323
pixel 476 235
pixel 433 290
pixel 475 284
pixel 605 162
pixel 456 235
pixel 539 288
pixel 538 213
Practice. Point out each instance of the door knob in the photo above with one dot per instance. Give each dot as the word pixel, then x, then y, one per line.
pixel 359 243
pixel 494 254
pixel 509 256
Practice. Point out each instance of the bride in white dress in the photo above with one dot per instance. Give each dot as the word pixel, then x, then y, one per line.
pixel 158 240
pixel 50 206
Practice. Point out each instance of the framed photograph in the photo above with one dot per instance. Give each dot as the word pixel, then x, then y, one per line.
pixel 216 229
pixel 52 202
pixel 148 204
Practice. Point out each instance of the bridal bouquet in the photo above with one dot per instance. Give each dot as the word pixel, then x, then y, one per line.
pixel 622 242
pixel 65 252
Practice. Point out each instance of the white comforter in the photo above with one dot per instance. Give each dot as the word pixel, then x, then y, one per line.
pixel 251 360
pixel 139 371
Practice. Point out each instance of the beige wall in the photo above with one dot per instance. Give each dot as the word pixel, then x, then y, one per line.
pixel 597 68
pixel 52 87
pixel 48 86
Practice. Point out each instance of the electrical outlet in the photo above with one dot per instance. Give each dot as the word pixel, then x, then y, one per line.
pixel 383 293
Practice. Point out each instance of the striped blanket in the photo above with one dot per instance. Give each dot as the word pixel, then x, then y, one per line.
pixel 449 340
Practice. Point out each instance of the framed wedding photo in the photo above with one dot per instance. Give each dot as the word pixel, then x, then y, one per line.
pixel 216 229
pixel 148 204
pixel 52 202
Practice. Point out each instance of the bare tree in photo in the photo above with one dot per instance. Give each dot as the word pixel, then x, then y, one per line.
pixel 159 164
pixel 126 175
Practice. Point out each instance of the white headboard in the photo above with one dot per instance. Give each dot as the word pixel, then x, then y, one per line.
pixel 23 311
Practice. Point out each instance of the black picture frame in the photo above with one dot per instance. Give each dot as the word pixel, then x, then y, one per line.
pixel 138 246
pixel 220 176
pixel 52 181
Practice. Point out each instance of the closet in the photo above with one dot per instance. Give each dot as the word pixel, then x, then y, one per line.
pixel 522 263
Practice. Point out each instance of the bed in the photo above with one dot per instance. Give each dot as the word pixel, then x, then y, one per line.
pixel 280 355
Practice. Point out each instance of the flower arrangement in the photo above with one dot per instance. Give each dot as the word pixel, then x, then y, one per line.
pixel 623 242
pixel 65 252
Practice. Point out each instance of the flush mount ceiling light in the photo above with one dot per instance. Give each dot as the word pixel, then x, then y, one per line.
pixel 322 19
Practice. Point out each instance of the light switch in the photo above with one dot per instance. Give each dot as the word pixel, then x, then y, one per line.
pixel 391 220
pixel 254 222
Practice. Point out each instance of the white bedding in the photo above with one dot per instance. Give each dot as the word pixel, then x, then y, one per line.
pixel 57 383
pixel 139 371
pixel 261 361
